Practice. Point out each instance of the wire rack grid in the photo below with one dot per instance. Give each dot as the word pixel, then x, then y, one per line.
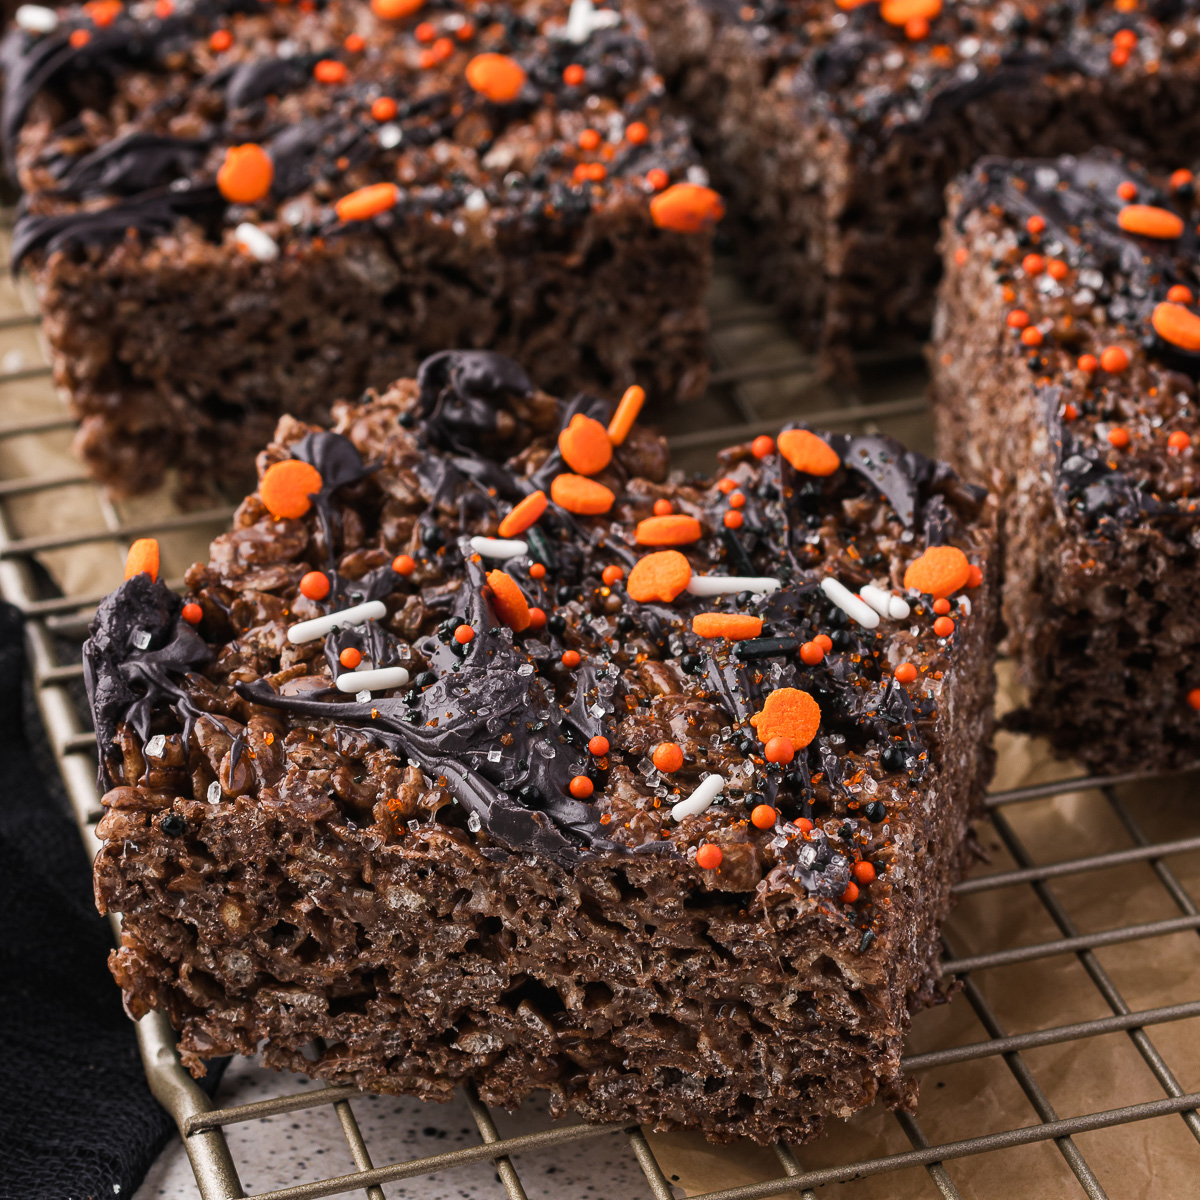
pixel 759 377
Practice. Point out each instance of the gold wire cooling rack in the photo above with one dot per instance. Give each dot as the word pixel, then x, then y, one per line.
pixel 1123 961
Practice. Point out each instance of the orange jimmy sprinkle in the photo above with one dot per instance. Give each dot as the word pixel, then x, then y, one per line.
pixel 808 453
pixel 1114 359
pixel 1177 325
pixel 812 653
pixel 581 496
pixel 1147 220
pixel 496 76
pixel 286 487
pixel 788 713
pixel 509 601
pixel 661 576
pixel 367 202
pixel 246 174
pixel 192 613
pixel 612 574
pixel 939 571
pixel 394 10
pixel 733 626
pixel 763 816
pixel 762 446
pixel 667 757
pixel 574 75
pixel 571 659
pixel 906 673
pixel 708 857
pixel 581 787
pixel 142 558
pixel 464 634
pixel 314 585
pixel 221 39
pixel 675 530
pixel 686 208
pixel 598 745
pixel 900 12
pixel 523 515
pixel 350 658
pixel 403 564
pixel 780 750
pixel 329 70
pixel 585 446
pixel 384 109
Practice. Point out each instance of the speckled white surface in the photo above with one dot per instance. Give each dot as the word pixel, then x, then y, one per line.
pixel 307 1145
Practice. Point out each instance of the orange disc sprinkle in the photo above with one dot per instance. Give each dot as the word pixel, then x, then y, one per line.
pixel 395 10
pixel 1177 325
pixel 1147 220
pixel 142 558
pixel 667 757
pixel 788 713
pixel 574 75
pixel 612 574
pixel 763 816
pixel 661 576
pixel 581 787
pixel 906 673
pixel 1114 359
pixel 584 445
pixel 537 570
pixel 940 571
pixel 464 634
pixel 329 70
pixel 900 12
pixel 1118 437
pixel 403 564
pixel 780 750
pixel 509 601
pixel 350 658
pixel 808 454
pixel 674 530
pixel 367 202
pixel 762 446
pixel 812 653
pixel 523 515
pixel 314 585
pixel 733 520
pixel 733 626
pixel 384 109
pixel 864 872
pixel 220 40
pixel 943 627
pixel 1178 442
pixel 598 745
pixel 496 76
pixel 686 208
pixel 246 174
pixel 850 894
pixel 571 659
pixel 626 414
pixel 286 487
pixel 581 496
pixel 192 613
pixel 708 857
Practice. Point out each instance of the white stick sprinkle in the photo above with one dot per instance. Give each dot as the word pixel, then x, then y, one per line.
pixel 377 680
pixel 707 791
pixel 885 603
pixel 499 547
pixel 358 614
pixel 257 243
pixel 33 18
pixel 849 603
pixel 722 585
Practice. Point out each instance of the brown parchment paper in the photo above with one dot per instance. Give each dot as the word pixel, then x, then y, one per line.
pixel 1157 1158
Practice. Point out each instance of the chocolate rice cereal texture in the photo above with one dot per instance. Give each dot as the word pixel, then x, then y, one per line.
pixel 1065 360
pixel 234 209
pixel 832 128
pixel 651 811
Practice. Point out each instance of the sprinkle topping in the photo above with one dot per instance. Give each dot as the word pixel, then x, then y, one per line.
pixel 788 713
pixel 142 558
pixel 687 208
pixel 660 576
pixel 246 174
pixel 585 445
pixel 496 76
pixel 940 571
pixel 807 453
pixel 287 486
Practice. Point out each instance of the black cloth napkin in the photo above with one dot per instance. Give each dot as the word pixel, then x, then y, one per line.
pixel 77 1120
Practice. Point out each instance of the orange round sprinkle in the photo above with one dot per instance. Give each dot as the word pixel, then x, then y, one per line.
pixel 1032 336
pixel 1193 698
pixel 463 634
pixel 1035 224
pixel 403 564
pixel 657 178
pixel 812 653
pixel 1017 319
pixel 864 872
pixel 163 9
pixel 581 496
pixel 961 255
pixel 221 39
pixel 329 70
pixel 537 618
pixel 612 574
pixel 1180 179
pixel 636 132
pixel 1070 412
pixel 708 857
pixel 192 613
pixel 1057 269
pixel 1177 325
pixel 103 12
pixel 850 894
pixel 496 76
pixel 1127 39
pixel 350 658
pixel 726 485
pixel 286 487
pixel 1126 189
pixel 142 558
pixel 581 787
pixel 788 713
pixel 598 745
pixel 804 825
pixel 1180 294
pixel 394 10
pixel 355 43
pixel 824 641
pixel 585 446
pixel 763 816
pixel 667 757
pixel 900 12
pixel 1088 363
pixel 589 139
pixel 906 673
pixel 916 29
pixel 780 750
pixel 663 508
pixel 807 453
pixel 1147 220
pixel 571 659
pixel 686 208
pixel 660 576
pixel 975 578
pixel 940 571
pixel 673 530
pixel 943 627
pixel 537 571
pixel 425 32
pixel 1119 56
pixel 1118 437
pixel 509 601
pixel 1033 264
pixel 367 202
pixel 736 499
pixel 1178 442
pixel 941 606
pixel 246 174
pixel 524 514
pixel 762 446
pixel 384 109
pixel 733 520
pixel 315 585
pixel 626 414
pixel 574 75
pixel 733 626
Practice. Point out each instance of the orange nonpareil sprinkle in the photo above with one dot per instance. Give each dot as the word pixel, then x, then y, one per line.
pixel 355 43
pixel 1017 319
pixel 509 601
pixel 663 508
pixel 1180 179
pixel 496 76
pixel 788 713
pixel 350 658
pixel 733 520
pixel 733 626
pixel 657 178
pixel 574 75
pixel 287 486
pixel 142 558
pixel 192 613
pixel 537 570
pixel 581 496
pixel 674 530
pixel 1118 437
pixel 589 139
pixel 394 10
pixel 1180 294
pixel 850 894
pixel 524 515
pixel 585 446
pixel 103 12
pixel 807 453
pixel 636 133
pixel 667 757
pixel 763 816
pixel 901 12
pixel 1033 264
pixel 975 578
pixel 581 787
pixel 1178 442
pixel 943 627
pixel 1177 325
pixel 941 606
pixel 1193 698
pixel 384 109
pixel 824 641
pixel 464 634
pixel 221 39
pixel 367 202
pixel 812 653
pixel 403 564
pixel 1057 269
pixel 314 585
pixel 1114 360
pixel 708 857
pixel 864 872
pixel 1088 363
pixel 1126 189
pixel 686 208
pixel 1036 224
pixel 1147 220
pixel 940 571
pixel 762 446
pixel 1032 336
pixel 246 174
pixel 737 499
pixel 537 618
pixel 612 574
pixel 906 673
pixel 598 745
pixel 571 659
pixel 661 576
pixel 779 750
pixel 329 70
